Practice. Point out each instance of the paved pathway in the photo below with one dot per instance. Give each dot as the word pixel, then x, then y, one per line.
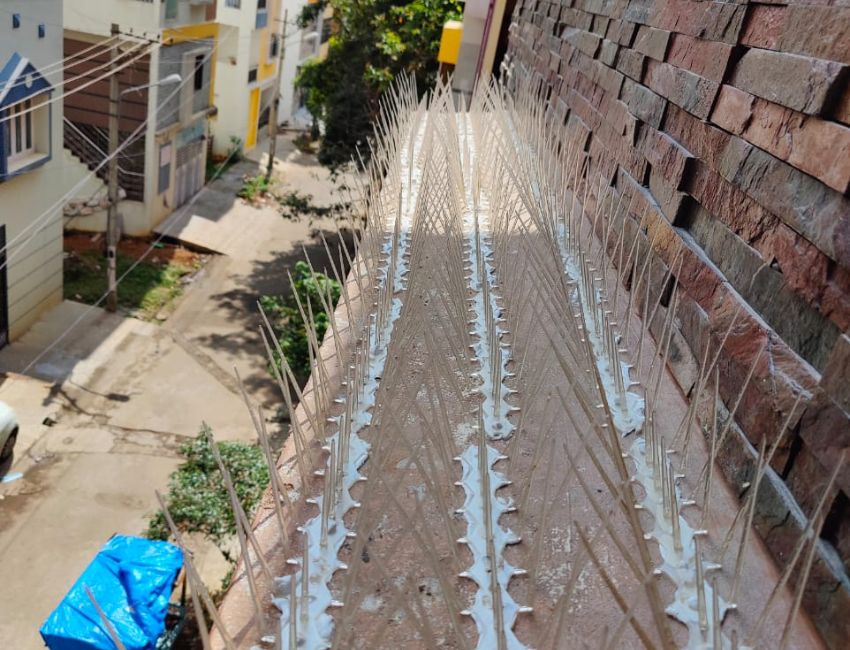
pixel 121 395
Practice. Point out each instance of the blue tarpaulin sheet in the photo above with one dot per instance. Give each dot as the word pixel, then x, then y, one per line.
pixel 131 579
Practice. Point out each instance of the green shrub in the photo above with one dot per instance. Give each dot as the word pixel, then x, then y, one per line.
pixel 290 328
pixel 197 499
pixel 253 187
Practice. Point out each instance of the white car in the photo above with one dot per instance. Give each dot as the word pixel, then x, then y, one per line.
pixel 8 431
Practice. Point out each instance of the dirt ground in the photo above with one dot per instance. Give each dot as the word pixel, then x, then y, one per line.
pixel 133 247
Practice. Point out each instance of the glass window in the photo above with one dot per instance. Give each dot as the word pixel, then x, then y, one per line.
pixel 199 71
pixel 19 127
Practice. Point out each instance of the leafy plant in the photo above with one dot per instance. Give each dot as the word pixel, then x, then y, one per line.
pixel 197 498
pixel 290 328
pixel 253 187
pixel 309 13
pixel 217 165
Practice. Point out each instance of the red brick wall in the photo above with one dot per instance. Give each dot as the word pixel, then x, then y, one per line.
pixel 729 121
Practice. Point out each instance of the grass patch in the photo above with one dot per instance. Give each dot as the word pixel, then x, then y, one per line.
pixel 149 287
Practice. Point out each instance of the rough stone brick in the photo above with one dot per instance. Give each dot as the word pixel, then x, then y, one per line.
pixel 822 32
pixel 836 376
pixel 817 212
pixel 778 76
pixel 652 42
pixel 821 149
pixel 764 25
pixel 608 52
pixel 690 91
pixel 607 78
pixel 600 25
pixel 643 103
pixel 638 11
pixel 743 216
pixel 701 138
pixel 716 21
pixel 808 477
pixel 664 154
pixel 765 288
pixel 780 375
pixel 630 63
pixel 825 428
pixel 584 41
pixel 706 58
pixel 622 31
pixel 835 300
pixel 816 146
pixel 666 195
pixel 621 121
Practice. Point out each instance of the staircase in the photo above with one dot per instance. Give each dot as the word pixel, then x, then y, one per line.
pixel 89 144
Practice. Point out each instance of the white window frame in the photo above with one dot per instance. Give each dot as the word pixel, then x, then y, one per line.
pixel 20 125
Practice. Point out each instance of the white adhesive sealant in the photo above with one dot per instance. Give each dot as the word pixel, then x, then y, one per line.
pixel 483 608
pixel 497 426
pixel 313 624
pixel 627 410
pixel 628 414
pixel 678 564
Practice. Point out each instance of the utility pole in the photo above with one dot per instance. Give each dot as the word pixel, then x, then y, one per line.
pixel 112 179
pixel 273 107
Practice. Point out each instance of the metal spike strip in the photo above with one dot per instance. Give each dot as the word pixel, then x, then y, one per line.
pixel 307 622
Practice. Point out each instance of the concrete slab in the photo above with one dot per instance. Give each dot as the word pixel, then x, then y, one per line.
pixel 174 394
pixel 62 338
pixel 85 499
pixel 217 216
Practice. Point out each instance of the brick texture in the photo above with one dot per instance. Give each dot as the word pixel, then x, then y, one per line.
pixel 729 126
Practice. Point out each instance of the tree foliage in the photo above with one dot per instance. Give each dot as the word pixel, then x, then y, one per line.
pixel 373 42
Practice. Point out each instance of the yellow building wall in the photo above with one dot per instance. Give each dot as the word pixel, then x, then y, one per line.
pixel 253 118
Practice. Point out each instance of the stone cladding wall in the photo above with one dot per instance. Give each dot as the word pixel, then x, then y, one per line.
pixel 729 122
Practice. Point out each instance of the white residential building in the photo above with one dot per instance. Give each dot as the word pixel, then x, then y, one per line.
pixel 169 120
pixel 31 171
pixel 300 46
pixel 246 70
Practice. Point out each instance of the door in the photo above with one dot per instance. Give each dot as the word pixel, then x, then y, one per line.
pixel 188 177
pixel 4 291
